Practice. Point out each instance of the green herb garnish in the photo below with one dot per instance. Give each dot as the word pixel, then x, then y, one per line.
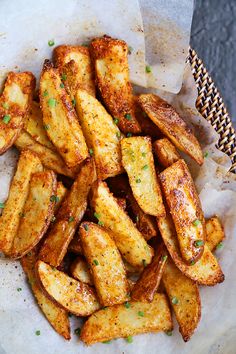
pixel 118 135
pixel 100 223
pixel 71 218
pixel 52 102
pixel 116 120
pixel 51 42
pixel 128 116
pixel 198 243
pixel 19 289
pixel 129 135
pixel 141 313
pixel 6 119
pixel 220 245
pixel 138 180
pixel 95 262
pixel 127 305
pixel 46 126
pixel 196 222
pixel 45 93
pixel 206 154
pixel 62 85
pixel 54 198
pixel 63 77
pixel 129 339
pixel 164 258
pixel 38 333
pixel 148 69
pixel 174 300
pixel 85 226
pixel 91 152
pixel 2 205
pixel 169 333
pixel 73 102
pixel 106 342
pixel 145 167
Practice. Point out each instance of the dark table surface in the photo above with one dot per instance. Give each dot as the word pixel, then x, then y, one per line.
pixel 214 39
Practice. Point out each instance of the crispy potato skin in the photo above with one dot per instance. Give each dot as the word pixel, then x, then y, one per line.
pixel 205 272
pixel 56 316
pixel 37 213
pixel 137 159
pixel 128 239
pixel 110 57
pixel 59 115
pixel 119 321
pixel 72 295
pixel 166 152
pixel 68 217
pixel 61 194
pixel 75 245
pixel 75 63
pixel 185 208
pixel 101 133
pixel 171 125
pixel 105 263
pixel 16 97
pixel 49 158
pixel 147 285
pixel 80 270
pixel 214 232
pixel 34 126
pixel 28 164
pixel 185 290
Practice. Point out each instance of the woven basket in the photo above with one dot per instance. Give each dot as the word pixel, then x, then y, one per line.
pixel 212 108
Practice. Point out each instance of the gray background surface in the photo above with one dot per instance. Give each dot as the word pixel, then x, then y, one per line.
pixel 214 39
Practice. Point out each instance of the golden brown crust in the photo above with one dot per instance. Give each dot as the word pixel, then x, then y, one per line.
pixel 75 245
pixel 14 104
pixel 185 208
pixel 171 125
pixel 112 79
pixel 214 232
pixel 165 152
pixel 147 284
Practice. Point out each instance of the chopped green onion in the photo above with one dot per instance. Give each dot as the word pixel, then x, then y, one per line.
pixel 169 333
pixel 97 216
pixel 63 77
pixel 91 152
pixel 145 167
pixel 45 93
pixel 130 49
pixel 220 245
pixel 206 154
pixel 127 305
pixel 62 85
pixel 54 198
pixel 192 263
pixel 198 243
pixel 144 262
pixel 77 331
pixel 6 119
pixel 51 42
pixel 128 116
pixel 144 154
pixel 118 135
pixel 37 333
pixel 141 313
pixel 116 120
pixel 106 342
pixel 129 339
pixel 138 180
pixel 100 223
pixel 174 300
pixel 73 102
pixel 5 105
pixel 2 205
pixel 46 126
pixel 148 69
pixel 52 102
pixel 129 135
pixel 196 222
pixel 19 289
pixel 95 262
pixel 164 258
pixel 71 218
pixel 86 227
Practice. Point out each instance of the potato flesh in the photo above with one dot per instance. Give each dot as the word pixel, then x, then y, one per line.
pixel 215 232
pixel 101 133
pixel 81 75
pixel 27 165
pixel 137 159
pixel 70 294
pixel 185 292
pixel 56 316
pixel 68 217
pixel 59 115
pixel 37 213
pixel 171 125
pixel 80 270
pixel 166 152
pixel 185 208
pixel 205 272
pixel 112 77
pixel 14 103
pixel 105 263
pixel 119 321
pixel 49 158
pixel 128 239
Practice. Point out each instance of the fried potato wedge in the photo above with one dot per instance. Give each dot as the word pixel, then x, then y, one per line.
pixel 120 321
pixel 56 316
pixel 147 284
pixel 185 208
pixel 37 213
pixel 122 202
pixel 49 158
pixel 76 69
pixel 105 263
pixel 14 103
pixel 80 270
pixel 137 159
pixel 171 125
pixel 101 133
pixel 112 78
pixel 205 272
pixel 214 232
pixel 72 295
pixel 59 116
pixel 61 194
pixel 28 164
pixel 184 298
pixel 128 239
pixel 68 217
pixel 35 127
pixel 166 152
pixel 75 245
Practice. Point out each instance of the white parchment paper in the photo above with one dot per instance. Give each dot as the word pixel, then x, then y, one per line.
pixel 27 25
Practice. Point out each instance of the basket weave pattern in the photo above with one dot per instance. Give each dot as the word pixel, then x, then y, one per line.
pixel 212 108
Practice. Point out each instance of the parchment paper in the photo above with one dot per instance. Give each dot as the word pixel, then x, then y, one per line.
pixel 19 314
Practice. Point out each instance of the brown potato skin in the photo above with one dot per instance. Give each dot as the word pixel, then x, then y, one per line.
pixel 180 192
pixel 74 205
pixel 214 232
pixel 18 106
pixel 75 245
pixel 165 152
pixel 171 125
pixel 56 316
pixel 117 95
pixel 147 284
